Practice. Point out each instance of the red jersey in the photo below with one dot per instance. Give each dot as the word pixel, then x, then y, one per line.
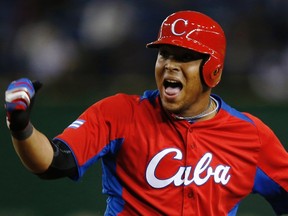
pixel 154 164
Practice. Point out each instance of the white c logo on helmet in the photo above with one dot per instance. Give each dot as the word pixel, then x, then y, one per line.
pixel 174 24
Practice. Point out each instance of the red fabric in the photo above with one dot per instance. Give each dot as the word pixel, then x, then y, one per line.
pixel 171 167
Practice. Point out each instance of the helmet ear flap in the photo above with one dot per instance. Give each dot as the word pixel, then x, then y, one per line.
pixel 216 76
pixel 212 72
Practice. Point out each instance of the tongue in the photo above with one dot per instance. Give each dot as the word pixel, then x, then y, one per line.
pixel 172 91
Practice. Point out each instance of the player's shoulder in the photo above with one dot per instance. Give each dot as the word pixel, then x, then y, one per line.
pixel 231 112
pixel 252 120
pixel 257 121
pixel 242 116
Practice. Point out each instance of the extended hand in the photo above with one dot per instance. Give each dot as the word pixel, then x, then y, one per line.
pixel 19 98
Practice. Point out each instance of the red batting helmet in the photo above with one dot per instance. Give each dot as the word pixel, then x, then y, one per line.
pixel 198 32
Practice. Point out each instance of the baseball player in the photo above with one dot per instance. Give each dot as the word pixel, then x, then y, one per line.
pixel 177 150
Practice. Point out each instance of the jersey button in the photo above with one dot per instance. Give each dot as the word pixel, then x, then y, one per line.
pixel 191 194
pixel 190 130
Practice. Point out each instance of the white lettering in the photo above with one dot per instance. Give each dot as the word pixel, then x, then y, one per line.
pixel 201 174
pixel 150 172
pixel 174 24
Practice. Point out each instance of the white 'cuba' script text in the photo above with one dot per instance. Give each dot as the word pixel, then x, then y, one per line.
pixel 201 174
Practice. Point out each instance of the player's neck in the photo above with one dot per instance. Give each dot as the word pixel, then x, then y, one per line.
pixel 207 114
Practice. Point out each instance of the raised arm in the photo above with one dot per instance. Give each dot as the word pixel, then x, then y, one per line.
pixel 32 146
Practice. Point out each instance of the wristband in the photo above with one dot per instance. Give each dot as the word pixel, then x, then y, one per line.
pixel 23 134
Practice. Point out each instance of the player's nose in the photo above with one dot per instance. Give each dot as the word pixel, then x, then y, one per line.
pixel 172 65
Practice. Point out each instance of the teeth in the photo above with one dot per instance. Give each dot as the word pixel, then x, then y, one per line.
pixel 171 81
pixel 172 84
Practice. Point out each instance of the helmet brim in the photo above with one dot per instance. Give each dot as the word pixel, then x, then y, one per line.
pixel 180 42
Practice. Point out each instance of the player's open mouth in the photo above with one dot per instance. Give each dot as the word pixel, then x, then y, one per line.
pixel 172 87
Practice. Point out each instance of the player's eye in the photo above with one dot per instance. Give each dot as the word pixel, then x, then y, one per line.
pixel 164 53
pixel 189 56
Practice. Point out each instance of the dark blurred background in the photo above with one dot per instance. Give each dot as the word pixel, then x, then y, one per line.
pixel 86 50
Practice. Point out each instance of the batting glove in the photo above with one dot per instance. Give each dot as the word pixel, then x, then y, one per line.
pixel 19 98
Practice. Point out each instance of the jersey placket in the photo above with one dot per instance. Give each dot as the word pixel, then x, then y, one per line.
pixel 189 189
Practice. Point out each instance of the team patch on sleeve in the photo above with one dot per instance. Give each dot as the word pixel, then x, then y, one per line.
pixel 76 124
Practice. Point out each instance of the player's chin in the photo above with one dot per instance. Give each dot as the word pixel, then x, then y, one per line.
pixel 172 106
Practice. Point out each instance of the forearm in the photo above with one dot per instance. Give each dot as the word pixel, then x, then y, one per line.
pixel 35 152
